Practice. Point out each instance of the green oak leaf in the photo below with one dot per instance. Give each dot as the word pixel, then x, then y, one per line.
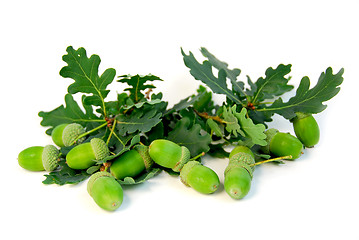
pixel 141 178
pixel 274 84
pixel 217 151
pixel 137 84
pixel 122 145
pixel 309 100
pixel 204 103
pixel 253 132
pixel 186 102
pixel 231 121
pixel 65 175
pixel 84 71
pixel 138 121
pixel 204 73
pixel 71 113
pixel 190 137
pixel 240 123
pixel 232 74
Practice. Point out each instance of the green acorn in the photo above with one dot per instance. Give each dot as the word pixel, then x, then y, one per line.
pixel 199 177
pixel 282 144
pixel 84 155
pixel 131 163
pixel 239 172
pixel 65 135
pixel 169 154
pixel 105 190
pixel 39 158
pixel 306 129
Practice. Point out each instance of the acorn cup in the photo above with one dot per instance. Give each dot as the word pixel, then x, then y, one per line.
pixel 65 135
pixel 39 158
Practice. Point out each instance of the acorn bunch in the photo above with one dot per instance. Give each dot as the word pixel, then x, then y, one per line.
pixel 107 192
pixel 133 138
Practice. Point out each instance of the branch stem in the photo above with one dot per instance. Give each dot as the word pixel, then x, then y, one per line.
pixel 273 160
pixel 112 129
pixel 198 156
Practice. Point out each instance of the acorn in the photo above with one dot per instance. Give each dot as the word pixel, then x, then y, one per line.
pixel 131 163
pixel 105 191
pixel 239 172
pixel 38 158
pixel 306 129
pixel 65 135
pixel 282 144
pixel 86 154
pixel 169 154
pixel 199 177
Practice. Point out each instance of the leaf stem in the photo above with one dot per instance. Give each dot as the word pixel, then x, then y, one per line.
pixel 264 103
pixel 206 116
pixel 273 160
pixel 112 129
pixel 119 139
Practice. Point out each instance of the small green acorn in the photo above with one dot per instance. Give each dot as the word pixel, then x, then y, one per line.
pixel 282 144
pixel 65 135
pixel 199 177
pixel 306 129
pixel 39 158
pixel 131 163
pixel 239 172
pixel 105 191
pixel 84 155
pixel 169 154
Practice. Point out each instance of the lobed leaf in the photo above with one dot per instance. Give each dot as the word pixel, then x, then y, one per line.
pixel 190 137
pixel 138 121
pixel 203 72
pixel 232 74
pixel 71 113
pixel 274 84
pixel 309 100
pixel 65 175
pixel 231 121
pixel 84 71
pixel 141 178
pixel 240 123
pixel 137 84
pixel 253 132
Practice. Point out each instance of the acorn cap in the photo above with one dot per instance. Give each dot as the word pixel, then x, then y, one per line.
pixel 186 169
pixel 270 133
pixel 50 157
pixel 300 115
pixel 236 164
pixel 241 160
pixel 99 148
pixel 71 133
pixel 143 151
pixel 245 158
pixel 186 155
pixel 94 177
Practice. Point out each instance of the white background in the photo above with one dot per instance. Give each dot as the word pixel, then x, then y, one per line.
pixel 314 197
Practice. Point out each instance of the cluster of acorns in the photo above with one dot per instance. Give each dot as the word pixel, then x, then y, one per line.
pixel 107 192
